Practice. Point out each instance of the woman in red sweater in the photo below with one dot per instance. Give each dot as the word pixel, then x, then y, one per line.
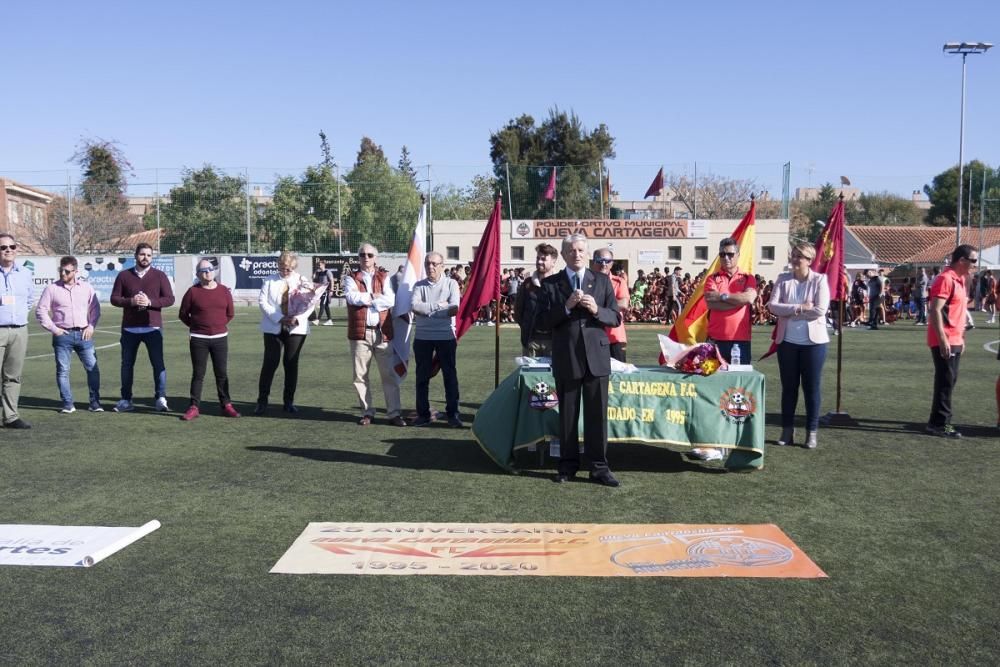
pixel 206 309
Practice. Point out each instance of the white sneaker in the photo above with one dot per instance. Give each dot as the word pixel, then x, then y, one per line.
pixel 161 404
pixel 328 323
pixel 68 410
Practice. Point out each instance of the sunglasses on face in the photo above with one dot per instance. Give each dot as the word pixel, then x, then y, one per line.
pixel 971 260
pixel 369 255
pixel 728 255
pixel 604 260
pixel 206 269
pixel 12 246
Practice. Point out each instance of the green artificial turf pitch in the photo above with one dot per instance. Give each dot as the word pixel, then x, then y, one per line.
pixel 903 523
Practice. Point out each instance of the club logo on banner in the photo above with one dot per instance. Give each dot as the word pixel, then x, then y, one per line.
pixel 737 404
pixel 674 550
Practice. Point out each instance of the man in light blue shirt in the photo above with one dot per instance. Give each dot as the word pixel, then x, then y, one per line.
pixel 16 292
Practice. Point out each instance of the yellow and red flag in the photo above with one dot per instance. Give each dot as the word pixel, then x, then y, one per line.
pixel 692 324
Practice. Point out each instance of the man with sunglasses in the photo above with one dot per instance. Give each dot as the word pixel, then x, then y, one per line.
pixel 142 292
pixel 16 292
pixel 729 297
pixel 602 263
pixel 729 294
pixel 69 310
pixel 370 298
pixel 946 313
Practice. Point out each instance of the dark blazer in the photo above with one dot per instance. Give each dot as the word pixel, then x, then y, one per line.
pixel 579 342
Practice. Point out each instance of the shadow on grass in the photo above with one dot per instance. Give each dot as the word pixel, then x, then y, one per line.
pixel 627 457
pixel 411 453
pixel 863 425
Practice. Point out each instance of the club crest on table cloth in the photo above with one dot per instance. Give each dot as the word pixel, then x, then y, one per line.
pixel 542 397
pixel 737 404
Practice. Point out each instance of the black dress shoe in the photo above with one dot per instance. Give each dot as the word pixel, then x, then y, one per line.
pixel 18 423
pixel 291 409
pixel 260 409
pixel 562 477
pixel 606 480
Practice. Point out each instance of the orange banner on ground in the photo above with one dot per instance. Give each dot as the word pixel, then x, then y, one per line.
pixel 534 549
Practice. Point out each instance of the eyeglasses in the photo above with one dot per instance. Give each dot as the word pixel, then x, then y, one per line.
pixel 796 255
pixel 971 260
pixel 728 255
pixel 604 260
pixel 66 271
pixel 369 255
pixel 208 269
pixel 12 246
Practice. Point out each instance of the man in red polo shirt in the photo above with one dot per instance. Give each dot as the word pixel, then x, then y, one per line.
pixel 947 307
pixel 729 296
pixel 603 259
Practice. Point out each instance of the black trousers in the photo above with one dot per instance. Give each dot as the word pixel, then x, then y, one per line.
pixel 945 377
pixel 618 351
pixel 281 348
pixel 324 306
pixel 201 350
pixel 594 391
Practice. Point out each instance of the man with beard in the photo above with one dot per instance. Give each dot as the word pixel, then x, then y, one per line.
pixel 142 292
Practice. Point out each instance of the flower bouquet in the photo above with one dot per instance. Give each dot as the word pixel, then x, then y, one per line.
pixel 303 297
pixel 700 359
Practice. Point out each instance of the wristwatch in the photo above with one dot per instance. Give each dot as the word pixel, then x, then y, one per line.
pixel 725 296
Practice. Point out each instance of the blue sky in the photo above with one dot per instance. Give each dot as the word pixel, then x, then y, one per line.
pixel 854 88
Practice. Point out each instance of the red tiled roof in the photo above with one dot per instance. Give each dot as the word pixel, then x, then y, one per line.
pixel 938 252
pixel 149 236
pixel 898 244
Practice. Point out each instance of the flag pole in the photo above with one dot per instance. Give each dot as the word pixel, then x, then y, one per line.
pixel 840 417
pixel 496 325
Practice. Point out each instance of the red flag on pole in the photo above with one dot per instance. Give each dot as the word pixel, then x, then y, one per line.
pixel 484 283
pixel 550 192
pixel 656 187
pixel 830 252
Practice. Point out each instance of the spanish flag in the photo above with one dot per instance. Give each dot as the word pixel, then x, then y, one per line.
pixel 692 324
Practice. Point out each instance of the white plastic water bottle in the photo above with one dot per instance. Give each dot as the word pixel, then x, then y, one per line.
pixel 734 355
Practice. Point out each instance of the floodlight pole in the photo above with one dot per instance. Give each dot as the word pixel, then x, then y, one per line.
pixel 963 49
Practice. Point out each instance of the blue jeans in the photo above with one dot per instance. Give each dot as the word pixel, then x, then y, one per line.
pixel 130 350
pixel 800 364
pixel 64 346
pixel 424 352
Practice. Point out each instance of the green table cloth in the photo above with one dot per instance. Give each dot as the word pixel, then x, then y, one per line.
pixel 652 406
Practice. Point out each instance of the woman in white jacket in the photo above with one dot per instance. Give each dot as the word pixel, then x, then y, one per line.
pixel 799 300
pixel 284 300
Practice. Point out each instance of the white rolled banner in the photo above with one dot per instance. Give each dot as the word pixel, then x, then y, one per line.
pixel 119 544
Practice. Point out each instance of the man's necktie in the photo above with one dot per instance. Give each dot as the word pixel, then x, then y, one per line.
pixel 576 281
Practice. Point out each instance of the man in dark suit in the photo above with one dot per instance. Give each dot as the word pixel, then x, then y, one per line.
pixel 579 304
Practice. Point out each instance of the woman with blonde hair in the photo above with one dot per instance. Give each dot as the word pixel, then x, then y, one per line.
pixel 799 300
pixel 285 299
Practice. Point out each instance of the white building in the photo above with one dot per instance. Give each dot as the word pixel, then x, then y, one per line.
pixel 638 244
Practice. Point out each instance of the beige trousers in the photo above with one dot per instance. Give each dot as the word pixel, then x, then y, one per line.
pixel 362 351
pixel 13 347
